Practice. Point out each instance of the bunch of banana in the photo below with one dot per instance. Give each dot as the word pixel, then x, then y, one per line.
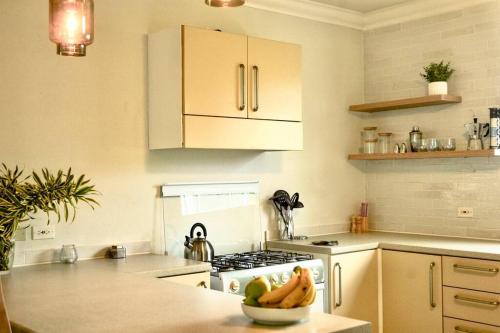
pixel 298 291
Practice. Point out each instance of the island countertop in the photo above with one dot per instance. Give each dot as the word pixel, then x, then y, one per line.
pixel 106 295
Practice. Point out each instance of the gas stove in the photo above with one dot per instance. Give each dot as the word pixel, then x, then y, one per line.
pixel 231 272
pixel 255 259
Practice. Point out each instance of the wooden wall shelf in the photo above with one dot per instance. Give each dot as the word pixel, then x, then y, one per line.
pixel 406 103
pixel 425 155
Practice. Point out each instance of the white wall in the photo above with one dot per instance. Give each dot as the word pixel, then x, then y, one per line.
pixel 423 196
pixel 90 113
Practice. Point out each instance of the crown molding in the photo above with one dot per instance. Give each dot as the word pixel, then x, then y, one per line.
pixel 414 11
pixel 352 19
pixel 311 10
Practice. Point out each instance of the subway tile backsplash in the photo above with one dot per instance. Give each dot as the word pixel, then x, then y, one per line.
pixel 422 196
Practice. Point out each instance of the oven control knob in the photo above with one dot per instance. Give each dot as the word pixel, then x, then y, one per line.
pixel 285 277
pixel 274 279
pixel 234 286
pixel 316 274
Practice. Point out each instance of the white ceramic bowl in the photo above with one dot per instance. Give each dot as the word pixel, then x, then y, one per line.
pixel 268 316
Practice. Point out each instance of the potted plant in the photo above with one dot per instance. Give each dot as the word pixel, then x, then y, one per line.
pixel 437 74
pixel 20 197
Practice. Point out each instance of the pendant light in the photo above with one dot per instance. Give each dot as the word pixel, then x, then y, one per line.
pixel 71 26
pixel 225 3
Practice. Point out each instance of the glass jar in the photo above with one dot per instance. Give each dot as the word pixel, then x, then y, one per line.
pixel 69 254
pixel 370 146
pixel 384 143
pixel 369 133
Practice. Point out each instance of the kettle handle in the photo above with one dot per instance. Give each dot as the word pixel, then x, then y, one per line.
pixel 191 233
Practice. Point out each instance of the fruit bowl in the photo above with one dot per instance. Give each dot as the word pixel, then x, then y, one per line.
pixel 270 316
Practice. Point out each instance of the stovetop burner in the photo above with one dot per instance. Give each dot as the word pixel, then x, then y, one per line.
pixel 249 260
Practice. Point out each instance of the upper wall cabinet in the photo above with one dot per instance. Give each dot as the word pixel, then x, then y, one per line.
pixel 214 73
pixel 210 89
pixel 275 80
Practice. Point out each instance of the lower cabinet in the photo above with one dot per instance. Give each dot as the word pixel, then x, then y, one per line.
pixel 412 296
pixel 201 280
pixel 354 286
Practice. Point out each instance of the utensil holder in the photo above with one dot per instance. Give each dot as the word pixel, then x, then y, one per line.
pixel 359 224
pixel 285 224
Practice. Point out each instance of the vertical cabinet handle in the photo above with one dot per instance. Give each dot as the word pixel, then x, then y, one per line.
pixel 242 106
pixel 431 285
pixel 338 302
pixel 255 70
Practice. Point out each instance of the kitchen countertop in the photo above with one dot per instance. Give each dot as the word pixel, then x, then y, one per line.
pixel 106 295
pixel 348 242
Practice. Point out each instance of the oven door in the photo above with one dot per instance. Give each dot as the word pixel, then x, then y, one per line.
pixel 321 297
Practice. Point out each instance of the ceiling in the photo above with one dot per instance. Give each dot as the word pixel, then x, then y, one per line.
pixel 364 6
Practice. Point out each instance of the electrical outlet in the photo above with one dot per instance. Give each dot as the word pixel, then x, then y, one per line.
pixel 43 232
pixel 465 212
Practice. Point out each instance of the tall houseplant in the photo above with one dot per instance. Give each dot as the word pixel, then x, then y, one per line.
pixel 437 74
pixel 20 197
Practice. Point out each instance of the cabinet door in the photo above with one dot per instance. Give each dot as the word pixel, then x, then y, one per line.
pixel 215 73
pixel 275 86
pixel 200 280
pixel 232 133
pixel 354 286
pixel 412 296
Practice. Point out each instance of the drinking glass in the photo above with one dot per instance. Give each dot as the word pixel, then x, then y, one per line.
pixel 432 144
pixel 449 144
pixel 69 254
pixel 422 145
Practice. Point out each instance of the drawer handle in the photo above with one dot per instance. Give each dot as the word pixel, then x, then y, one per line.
pixel 492 270
pixel 202 284
pixel 461 329
pixel 476 300
pixel 431 285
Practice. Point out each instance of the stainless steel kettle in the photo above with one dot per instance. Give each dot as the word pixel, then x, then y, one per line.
pixel 198 248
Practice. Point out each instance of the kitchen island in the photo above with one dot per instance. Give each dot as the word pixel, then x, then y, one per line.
pixel 106 295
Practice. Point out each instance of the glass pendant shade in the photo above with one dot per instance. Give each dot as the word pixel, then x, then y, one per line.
pixel 225 3
pixel 71 26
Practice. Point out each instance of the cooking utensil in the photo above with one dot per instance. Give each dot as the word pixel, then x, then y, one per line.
pixel 294 199
pixel 198 248
pixel 282 198
pixel 476 132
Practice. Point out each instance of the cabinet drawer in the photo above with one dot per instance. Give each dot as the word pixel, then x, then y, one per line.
pixel 452 325
pixel 201 280
pixel 471 274
pixel 472 305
